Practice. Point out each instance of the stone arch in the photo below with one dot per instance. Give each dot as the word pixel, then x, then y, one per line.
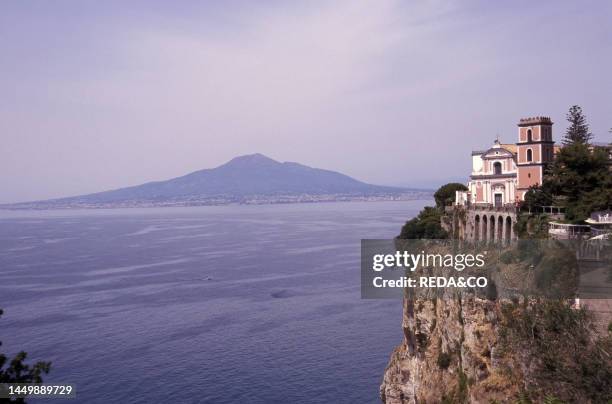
pixel 500 228
pixel 508 228
pixel 492 228
pixel 485 226
pixel 477 228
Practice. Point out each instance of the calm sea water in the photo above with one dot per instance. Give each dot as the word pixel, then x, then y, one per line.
pixel 235 304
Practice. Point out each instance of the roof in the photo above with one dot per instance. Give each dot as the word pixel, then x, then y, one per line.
pixel 507 146
pixel 511 147
pixel 536 120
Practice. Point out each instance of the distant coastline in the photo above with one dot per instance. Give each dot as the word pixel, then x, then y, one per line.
pixel 74 203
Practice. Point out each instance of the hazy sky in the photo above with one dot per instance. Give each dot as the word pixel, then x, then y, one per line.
pixel 100 94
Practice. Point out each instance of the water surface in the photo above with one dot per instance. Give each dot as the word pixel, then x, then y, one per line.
pixel 209 304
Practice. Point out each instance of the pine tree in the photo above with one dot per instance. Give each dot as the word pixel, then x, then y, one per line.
pixel 578 131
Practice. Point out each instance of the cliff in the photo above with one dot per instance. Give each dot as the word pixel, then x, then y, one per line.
pixel 449 343
pixel 461 348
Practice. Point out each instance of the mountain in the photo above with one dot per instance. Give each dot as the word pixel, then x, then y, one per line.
pixel 252 178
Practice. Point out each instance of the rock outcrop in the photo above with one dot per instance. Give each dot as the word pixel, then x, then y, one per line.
pixel 448 353
pixel 465 349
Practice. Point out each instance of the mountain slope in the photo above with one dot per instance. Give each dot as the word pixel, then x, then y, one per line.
pixel 243 177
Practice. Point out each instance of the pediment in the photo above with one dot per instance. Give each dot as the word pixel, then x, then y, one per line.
pixel 497 152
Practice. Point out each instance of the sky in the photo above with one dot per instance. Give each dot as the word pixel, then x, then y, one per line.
pixel 100 95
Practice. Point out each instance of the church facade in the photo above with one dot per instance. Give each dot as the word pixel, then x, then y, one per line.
pixel 502 174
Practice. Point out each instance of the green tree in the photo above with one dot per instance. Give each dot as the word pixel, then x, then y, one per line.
pixel 445 195
pixel 534 226
pixel 580 180
pixel 17 371
pixel 537 197
pixel 427 225
pixel 578 130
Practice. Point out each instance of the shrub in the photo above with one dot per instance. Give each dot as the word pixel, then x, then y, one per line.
pixel 425 226
pixel 444 360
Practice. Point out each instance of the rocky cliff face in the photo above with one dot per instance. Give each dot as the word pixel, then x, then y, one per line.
pixel 448 353
pixel 465 349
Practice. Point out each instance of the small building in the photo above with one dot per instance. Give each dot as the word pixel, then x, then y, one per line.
pixel 567 231
pixel 601 224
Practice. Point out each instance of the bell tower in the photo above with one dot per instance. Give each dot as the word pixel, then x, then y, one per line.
pixel 534 150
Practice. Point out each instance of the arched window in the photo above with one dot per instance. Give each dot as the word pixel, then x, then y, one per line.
pixel 529 155
pixel 497 168
pixel 529 135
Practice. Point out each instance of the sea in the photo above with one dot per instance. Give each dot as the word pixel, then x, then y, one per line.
pixel 223 304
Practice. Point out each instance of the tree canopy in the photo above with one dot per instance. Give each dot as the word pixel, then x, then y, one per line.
pixel 445 195
pixel 579 179
pixel 578 130
pixel 428 223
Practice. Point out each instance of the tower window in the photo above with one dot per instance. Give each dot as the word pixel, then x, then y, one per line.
pixel 529 135
pixel 529 155
pixel 497 168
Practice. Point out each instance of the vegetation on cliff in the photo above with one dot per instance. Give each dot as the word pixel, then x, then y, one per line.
pixel 461 349
pixel 428 223
pixel 425 226
pixel 532 226
pixel 560 354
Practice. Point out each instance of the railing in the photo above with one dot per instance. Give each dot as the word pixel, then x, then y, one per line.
pixel 598 232
pixel 566 230
pixel 489 207
pixel 552 210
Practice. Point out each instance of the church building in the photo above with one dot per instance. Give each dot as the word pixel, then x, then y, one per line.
pixel 502 174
